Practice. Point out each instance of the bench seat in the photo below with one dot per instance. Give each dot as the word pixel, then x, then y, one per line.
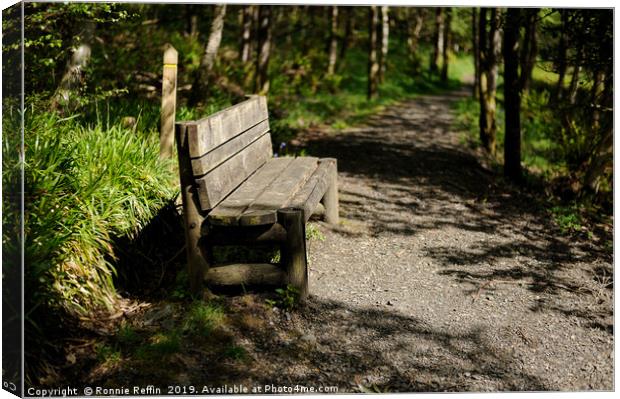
pixel 280 183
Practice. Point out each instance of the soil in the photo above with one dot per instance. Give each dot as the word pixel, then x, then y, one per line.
pixel 440 277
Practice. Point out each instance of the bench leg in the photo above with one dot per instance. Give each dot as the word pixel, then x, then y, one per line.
pixel 196 263
pixel 330 199
pixel 293 250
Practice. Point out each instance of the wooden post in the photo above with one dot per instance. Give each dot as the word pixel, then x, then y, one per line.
pixel 293 250
pixel 168 102
pixel 330 198
pixel 196 262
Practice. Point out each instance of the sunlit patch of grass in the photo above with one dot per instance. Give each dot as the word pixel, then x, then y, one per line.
pixel 203 318
pixel 568 218
pixel 313 232
pixel 159 345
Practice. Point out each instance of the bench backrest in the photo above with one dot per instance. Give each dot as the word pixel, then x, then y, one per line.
pixel 227 147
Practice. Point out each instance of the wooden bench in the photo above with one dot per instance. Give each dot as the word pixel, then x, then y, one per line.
pixel 235 192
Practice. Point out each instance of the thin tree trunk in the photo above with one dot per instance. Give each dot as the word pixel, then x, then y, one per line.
pixel 482 81
pixel 215 38
pixel 595 95
pixel 264 50
pixel 373 65
pixel 66 94
pixel 348 32
pixel 476 48
pixel 446 45
pixel 333 41
pixel 192 21
pixel 512 96
pixel 384 33
pixel 246 36
pixel 437 40
pixel 574 84
pixel 413 37
pixel 488 82
pixel 561 62
pixel 602 157
pixel 203 74
pixel 529 49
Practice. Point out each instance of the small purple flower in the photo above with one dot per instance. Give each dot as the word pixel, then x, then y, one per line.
pixel 282 145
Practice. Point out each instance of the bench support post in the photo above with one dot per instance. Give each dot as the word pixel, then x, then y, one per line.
pixel 330 198
pixel 196 262
pixel 293 250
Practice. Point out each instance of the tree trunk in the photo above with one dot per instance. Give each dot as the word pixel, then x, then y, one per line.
pixel 437 40
pixel 574 84
pixel 561 61
pixel 348 31
pixel 446 45
pixel 529 49
pixel 65 98
pixel 192 21
pixel 373 65
pixel 490 51
pixel 602 157
pixel 246 35
pixel 264 50
pixel 203 74
pixel 333 41
pixel 384 33
pixel 476 48
pixel 512 96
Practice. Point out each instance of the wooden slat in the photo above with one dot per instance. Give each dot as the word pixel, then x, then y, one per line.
pixel 217 184
pixel 222 126
pixel 227 213
pixel 309 196
pixel 264 209
pixel 237 274
pixel 221 153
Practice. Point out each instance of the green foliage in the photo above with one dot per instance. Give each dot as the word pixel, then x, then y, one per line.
pixel 107 354
pixel 159 345
pixel 313 232
pixel 203 318
pixel 84 186
pixel 127 336
pixel 286 298
pixel 236 352
pixel 568 218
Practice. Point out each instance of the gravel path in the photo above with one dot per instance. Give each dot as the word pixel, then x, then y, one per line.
pixel 441 278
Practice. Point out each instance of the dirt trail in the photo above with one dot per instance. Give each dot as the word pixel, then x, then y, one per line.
pixel 439 278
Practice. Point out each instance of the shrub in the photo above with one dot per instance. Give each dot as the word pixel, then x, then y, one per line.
pixel 83 186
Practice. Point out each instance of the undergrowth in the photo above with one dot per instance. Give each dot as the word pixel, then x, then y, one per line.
pixel 84 185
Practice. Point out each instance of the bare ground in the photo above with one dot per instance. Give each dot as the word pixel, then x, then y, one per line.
pixel 440 277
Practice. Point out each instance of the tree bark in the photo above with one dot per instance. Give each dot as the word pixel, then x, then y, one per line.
pixel 529 50
pixel 437 40
pixel 203 74
pixel 348 31
pixel 264 50
pixel 476 48
pixel 373 65
pixel 446 45
pixel 561 60
pixel 246 35
pixel 602 157
pixel 489 48
pixel 512 96
pixel 333 41
pixel 384 33
pixel 65 98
